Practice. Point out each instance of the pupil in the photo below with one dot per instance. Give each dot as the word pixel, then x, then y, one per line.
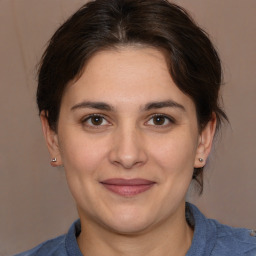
pixel 97 120
pixel 159 120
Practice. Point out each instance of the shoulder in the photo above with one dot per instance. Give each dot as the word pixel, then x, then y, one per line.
pixel 51 247
pixel 238 241
pixel 212 238
pixel 60 246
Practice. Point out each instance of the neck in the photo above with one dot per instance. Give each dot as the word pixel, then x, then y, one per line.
pixel 171 237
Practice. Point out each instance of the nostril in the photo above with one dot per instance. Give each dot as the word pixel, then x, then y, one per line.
pixel 128 164
pixel 128 161
pixel 127 149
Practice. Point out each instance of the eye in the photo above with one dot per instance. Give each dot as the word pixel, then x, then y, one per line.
pixel 95 120
pixel 160 120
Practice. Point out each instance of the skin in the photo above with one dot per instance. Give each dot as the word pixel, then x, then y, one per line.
pixel 126 140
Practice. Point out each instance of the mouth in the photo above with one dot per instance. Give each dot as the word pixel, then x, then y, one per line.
pixel 128 187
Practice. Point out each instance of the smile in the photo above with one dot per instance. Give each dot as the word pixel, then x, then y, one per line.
pixel 127 188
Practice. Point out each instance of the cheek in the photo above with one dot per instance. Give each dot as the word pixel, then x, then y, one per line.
pixel 83 158
pixel 80 153
pixel 175 154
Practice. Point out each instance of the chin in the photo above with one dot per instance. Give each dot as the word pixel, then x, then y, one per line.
pixel 130 228
pixel 129 223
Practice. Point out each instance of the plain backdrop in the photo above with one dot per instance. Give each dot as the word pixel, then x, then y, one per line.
pixel 35 203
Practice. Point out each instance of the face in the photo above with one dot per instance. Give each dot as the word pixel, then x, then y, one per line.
pixel 128 140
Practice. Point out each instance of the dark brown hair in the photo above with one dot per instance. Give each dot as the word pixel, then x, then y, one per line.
pixel 104 24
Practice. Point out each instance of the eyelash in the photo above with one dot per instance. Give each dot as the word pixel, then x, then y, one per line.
pixel 167 118
pixel 89 118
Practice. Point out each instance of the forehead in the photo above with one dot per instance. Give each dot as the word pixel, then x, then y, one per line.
pixel 129 74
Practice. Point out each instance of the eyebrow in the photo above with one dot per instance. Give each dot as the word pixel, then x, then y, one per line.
pixel 147 107
pixel 94 105
pixel 163 104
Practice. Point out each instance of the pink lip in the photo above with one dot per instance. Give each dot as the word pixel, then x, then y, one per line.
pixel 127 187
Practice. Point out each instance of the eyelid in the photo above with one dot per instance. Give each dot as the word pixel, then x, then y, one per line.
pixel 169 118
pixel 85 120
pixel 88 117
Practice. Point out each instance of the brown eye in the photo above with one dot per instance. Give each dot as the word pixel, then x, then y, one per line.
pixel 159 120
pixel 97 120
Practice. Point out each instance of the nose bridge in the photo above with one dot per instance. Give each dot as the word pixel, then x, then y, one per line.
pixel 128 148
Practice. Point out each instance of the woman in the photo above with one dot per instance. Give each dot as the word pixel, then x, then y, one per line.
pixel 128 96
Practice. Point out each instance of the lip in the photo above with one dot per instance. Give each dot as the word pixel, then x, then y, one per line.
pixel 127 187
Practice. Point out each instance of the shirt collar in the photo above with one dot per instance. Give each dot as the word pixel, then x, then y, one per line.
pixel 205 233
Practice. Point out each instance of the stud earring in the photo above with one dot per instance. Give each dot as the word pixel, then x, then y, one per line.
pixel 201 160
pixel 54 160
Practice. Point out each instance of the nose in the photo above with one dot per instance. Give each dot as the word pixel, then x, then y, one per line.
pixel 128 150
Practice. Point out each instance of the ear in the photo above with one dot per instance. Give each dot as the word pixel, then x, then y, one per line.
pixel 205 142
pixel 51 139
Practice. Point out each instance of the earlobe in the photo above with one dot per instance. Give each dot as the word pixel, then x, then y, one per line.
pixel 51 139
pixel 205 142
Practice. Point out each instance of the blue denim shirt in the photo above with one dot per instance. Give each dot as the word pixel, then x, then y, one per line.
pixel 210 239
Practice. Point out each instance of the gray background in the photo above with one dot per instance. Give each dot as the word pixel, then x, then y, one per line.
pixel 35 204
